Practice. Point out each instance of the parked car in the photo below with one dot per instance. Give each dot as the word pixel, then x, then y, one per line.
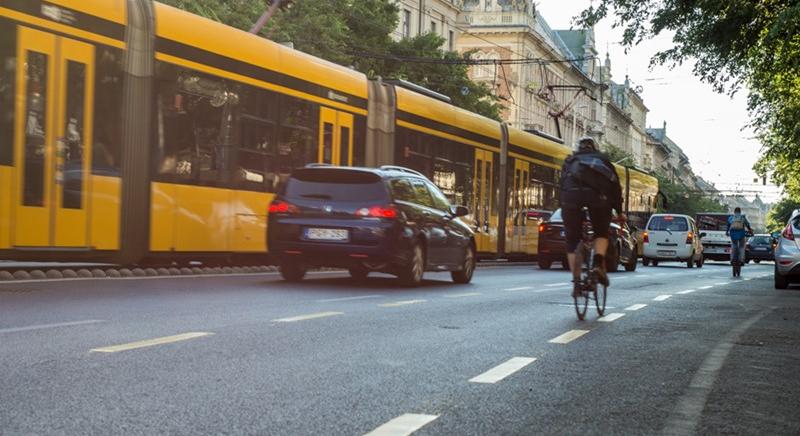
pixel 538 214
pixel 787 253
pixel 760 247
pixel 553 248
pixel 672 237
pixel 391 219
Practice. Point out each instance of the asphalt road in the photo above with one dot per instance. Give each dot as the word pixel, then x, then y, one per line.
pixel 681 351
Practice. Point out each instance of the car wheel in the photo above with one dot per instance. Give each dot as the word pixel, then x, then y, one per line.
pixel 781 282
pixel 757 261
pixel 690 261
pixel 545 264
pixel 645 261
pixel 655 262
pixel 411 273
pixel 293 272
pixel 358 272
pixel 612 258
pixel 464 276
pixel 631 265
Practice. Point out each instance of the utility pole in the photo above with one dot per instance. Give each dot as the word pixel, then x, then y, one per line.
pixel 262 20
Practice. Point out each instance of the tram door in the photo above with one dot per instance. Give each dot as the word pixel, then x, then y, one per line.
pixel 482 204
pixel 335 137
pixel 55 78
pixel 519 211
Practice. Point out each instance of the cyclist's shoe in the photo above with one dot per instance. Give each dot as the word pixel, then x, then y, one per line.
pixel 600 269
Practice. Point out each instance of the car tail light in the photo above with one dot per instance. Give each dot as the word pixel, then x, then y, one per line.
pixel 788 233
pixel 388 212
pixel 645 238
pixel 542 228
pixel 689 237
pixel 279 206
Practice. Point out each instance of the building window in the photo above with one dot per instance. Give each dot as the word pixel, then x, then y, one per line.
pixel 450 40
pixel 433 26
pixel 406 23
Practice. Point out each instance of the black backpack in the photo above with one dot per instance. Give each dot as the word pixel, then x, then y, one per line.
pixel 584 170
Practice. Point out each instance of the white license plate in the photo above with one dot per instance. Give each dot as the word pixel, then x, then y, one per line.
pixel 666 252
pixel 761 249
pixel 563 234
pixel 327 234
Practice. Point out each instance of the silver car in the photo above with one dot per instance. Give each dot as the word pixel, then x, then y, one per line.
pixel 787 253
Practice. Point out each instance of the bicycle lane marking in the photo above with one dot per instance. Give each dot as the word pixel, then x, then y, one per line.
pixel 403 425
pixel 662 297
pixel 568 337
pixel 503 370
pixel 636 307
pixel 611 317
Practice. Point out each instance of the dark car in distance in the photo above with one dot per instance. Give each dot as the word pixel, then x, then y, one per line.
pixel 390 219
pixel 760 247
pixel 622 248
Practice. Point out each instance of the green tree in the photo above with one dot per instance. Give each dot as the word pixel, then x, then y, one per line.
pixel 236 13
pixel 780 213
pixel 734 43
pixel 681 199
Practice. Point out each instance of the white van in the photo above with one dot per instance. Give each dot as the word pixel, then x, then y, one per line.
pixel 672 237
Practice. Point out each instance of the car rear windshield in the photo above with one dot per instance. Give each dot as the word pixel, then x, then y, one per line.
pixel 668 222
pixel 712 222
pixel 336 185
pixel 760 240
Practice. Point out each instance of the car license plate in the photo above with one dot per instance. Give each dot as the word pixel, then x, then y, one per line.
pixel 727 250
pixel 562 234
pixel 327 234
pixel 760 248
pixel 666 252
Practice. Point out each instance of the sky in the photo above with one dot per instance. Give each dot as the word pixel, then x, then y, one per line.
pixel 709 127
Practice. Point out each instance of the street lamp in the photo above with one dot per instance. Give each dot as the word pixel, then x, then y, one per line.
pixel 575 121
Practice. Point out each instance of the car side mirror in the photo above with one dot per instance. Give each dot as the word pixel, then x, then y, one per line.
pixel 459 211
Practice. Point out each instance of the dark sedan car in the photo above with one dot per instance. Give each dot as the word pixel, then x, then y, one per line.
pixel 391 220
pixel 760 247
pixel 622 247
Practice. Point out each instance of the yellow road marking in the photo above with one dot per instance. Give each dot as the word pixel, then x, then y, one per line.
pixel 568 337
pixel 151 342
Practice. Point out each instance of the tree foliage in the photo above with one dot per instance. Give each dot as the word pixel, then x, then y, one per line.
pixel 357 33
pixel 682 200
pixel 780 213
pixel 734 43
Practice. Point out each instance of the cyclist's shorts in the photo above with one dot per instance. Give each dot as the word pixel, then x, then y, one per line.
pixel 572 215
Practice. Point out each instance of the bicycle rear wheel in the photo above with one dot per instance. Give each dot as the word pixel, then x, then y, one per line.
pixel 581 300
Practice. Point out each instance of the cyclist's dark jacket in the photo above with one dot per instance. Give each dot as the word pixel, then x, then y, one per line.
pixel 590 176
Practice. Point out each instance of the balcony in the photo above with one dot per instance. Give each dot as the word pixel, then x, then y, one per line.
pixel 498 18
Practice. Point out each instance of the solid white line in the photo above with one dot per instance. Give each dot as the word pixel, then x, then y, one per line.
pixel 151 342
pixel 636 307
pixel 557 284
pixel 621 278
pixel 688 291
pixel 522 288
pixel 662 297
pixel 49 326
pixel 468 294
pixel 309 316
pixel 402 303
pixel 363 297
pixel 503 370
pixel 568 337
pixel 403 425
pixel 611 317
pixel 721 283
pixel 705 287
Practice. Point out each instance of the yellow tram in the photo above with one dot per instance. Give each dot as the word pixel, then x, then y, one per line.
pixel 131 130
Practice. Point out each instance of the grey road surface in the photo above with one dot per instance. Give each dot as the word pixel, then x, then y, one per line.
pixel 680 351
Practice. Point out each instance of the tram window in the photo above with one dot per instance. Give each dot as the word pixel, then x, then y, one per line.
pixel 35 124
pixel 297 140
pixel 107 147
pixel 190 109
pixel 359 140
pixel 72 151
pixel 255 153
pixel 8 68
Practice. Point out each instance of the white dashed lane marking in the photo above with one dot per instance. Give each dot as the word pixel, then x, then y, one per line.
pixel 151 342
pixel 611 317
pixel 636 307
pixel 661 297
pixel 403 425
pixel 360 297
pixel 49 326
pixel 468 294
pixel 307 317
pixel 503 370
pixel 721 283
pixel 705 287
pixel 521 288
pixel 557 284
pixel 568 337
pixel 402 303
pixel 688 291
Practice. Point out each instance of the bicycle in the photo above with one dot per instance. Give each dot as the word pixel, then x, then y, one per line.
pixel 589 288
pixel 737 262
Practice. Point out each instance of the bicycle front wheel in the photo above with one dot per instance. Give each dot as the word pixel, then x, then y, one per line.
pixel 582 298
pixel 600 298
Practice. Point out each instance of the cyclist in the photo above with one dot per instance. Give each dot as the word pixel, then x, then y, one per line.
pixel 738 227
pixel 588 179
